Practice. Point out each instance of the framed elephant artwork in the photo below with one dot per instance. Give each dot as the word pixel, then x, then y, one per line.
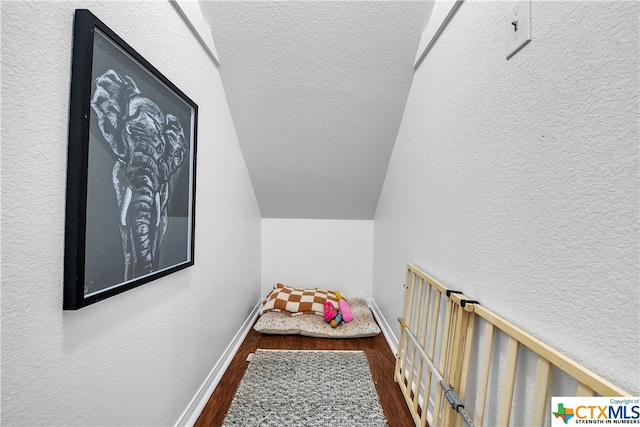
pixel 131 170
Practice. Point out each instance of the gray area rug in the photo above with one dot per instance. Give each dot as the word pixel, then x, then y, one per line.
pixel 306 388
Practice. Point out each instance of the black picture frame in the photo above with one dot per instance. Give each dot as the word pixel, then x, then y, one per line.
pixel 131 172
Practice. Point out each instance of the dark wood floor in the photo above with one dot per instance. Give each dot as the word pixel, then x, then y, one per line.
pixel 381 360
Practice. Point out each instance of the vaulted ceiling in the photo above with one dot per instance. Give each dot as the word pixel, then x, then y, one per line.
pixel 317 90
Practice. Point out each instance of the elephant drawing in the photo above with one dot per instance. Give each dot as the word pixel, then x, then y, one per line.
pixel 149 147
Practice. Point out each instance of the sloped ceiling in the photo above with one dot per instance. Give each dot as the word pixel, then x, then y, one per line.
pixel 316 90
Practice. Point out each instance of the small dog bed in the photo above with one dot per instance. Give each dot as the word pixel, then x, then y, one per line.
pixel 314 325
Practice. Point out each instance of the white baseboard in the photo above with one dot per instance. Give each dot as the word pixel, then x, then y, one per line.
pixel 197 404
pixel 384 326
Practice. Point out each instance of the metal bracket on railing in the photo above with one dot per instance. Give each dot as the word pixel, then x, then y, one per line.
pixel 468 301
pixel 455 402
pixel 451 396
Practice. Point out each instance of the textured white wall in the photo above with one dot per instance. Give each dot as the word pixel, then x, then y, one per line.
pixel 330 254
pixel 137 358
pixel 517 181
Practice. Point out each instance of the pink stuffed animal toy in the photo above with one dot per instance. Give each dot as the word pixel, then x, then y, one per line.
pixel 330 311
pixel 345 310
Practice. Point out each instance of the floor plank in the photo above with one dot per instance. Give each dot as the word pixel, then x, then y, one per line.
pixel 381 361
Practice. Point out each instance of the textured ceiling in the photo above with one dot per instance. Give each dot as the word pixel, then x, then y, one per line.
pixel 317 90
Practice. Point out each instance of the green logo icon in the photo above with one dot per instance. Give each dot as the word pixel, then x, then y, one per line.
pixel 565 413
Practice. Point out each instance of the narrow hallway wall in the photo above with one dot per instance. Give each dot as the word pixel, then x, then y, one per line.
pixel 325 253
pixel 140 357
pixel 516 182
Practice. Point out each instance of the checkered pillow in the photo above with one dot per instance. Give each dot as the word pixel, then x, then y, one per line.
pixel 296 301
